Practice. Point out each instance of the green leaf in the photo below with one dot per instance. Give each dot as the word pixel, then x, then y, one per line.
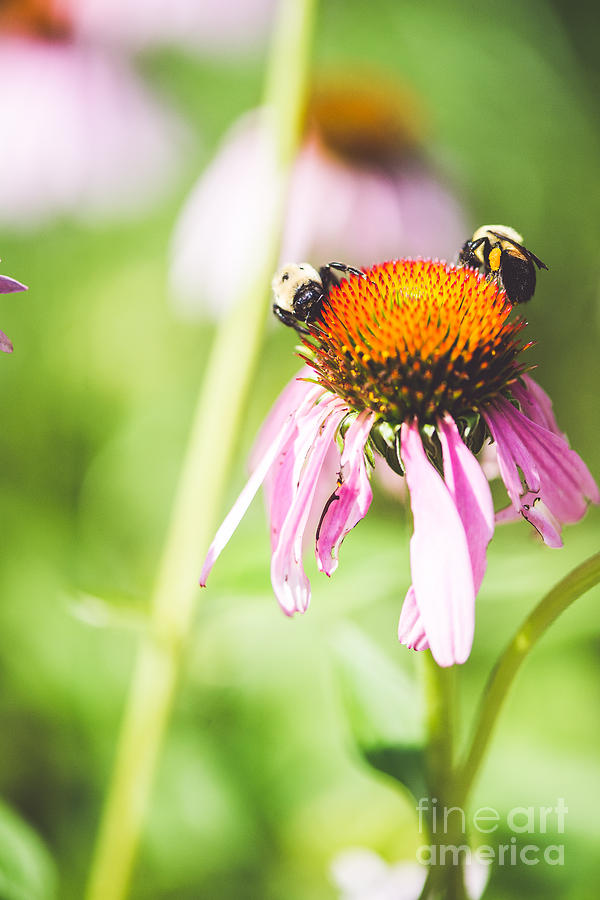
pixel 27 870
pixel 386 439
pixel 384 707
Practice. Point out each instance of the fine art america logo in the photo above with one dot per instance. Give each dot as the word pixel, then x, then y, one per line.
pixel 446 827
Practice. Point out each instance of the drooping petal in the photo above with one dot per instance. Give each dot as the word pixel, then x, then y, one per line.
pixel 411 631
pixel 469 488
pixel 534 511
pixel 283 480
pixel 351 499
pixel 536 404
pixel 289 580
pixel 439 555
pixel 527 461
pixel 280 484
pixel 565 484
pixel 488 460
pixel 5 343
pixel 10 285
pixel 235 515
pixel 291 397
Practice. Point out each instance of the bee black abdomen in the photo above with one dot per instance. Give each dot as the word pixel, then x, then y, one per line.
pixel 518 277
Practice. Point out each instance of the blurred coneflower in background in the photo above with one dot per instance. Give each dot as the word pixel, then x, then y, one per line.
pixel 215 28
pixel 83 135
pixel 362 188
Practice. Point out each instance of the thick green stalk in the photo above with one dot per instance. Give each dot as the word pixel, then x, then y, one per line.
pixel 535 625
pixel 445 880
pixel 440 699
pixel 203 479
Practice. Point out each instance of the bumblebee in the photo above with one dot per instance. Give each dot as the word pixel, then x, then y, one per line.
pixel 300 290
pixel 499 251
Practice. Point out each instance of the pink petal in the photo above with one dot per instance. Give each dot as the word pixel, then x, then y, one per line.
pixel 217 244
pixel 238 510
pixel 218 27
pixel 537 514
pixel 291 397
pixel 10 285
pixel 291 586
pixel 488 460
pixel 565 483
pixel 5 343
pixel 527 462
pixel 351 500
pixel 536 404
pixel 411 632
pixel 392 483
pixel 439 554
pixel 469 488
pixel 373 213
pixel 282 483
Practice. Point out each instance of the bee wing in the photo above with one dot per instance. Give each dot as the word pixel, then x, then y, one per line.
pixel 524 250
pixel 504 237
pixel 537 261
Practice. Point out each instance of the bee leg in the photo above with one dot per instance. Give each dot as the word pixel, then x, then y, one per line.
pixel 328 278
pixel 289 319
pixel 342 267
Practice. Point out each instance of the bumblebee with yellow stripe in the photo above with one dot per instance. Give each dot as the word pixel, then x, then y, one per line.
pixel 499 251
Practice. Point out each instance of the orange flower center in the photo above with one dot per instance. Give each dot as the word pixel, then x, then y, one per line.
pixel 416 338
pixel 45 19
pixel 365 118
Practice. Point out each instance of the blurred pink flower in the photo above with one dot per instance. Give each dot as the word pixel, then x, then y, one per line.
pixel 215 246
pixel 198 24
pixel 8 286
pixel 421 360
pixel 360 190
pixel 82 135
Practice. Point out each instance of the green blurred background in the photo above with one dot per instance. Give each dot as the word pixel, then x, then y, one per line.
pixel 261 783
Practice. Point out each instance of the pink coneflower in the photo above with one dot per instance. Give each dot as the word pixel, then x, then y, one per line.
pixel 361 188
pixel 8 286
pixel 421 362
pixel 82 134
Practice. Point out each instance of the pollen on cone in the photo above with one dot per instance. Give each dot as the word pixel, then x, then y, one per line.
pixel 416 338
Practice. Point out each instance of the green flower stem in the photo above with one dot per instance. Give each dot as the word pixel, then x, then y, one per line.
pixel 546 612
pixel 440 699
pixel 443 880
pixel 202 483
